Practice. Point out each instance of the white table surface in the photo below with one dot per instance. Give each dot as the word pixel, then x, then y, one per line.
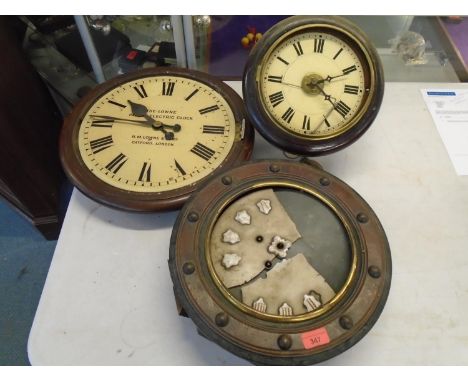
pixel 108 297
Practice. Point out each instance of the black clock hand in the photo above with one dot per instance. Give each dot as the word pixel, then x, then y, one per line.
pixel 140 110
pixel 157 124
pixel 329 78
pixel 327 96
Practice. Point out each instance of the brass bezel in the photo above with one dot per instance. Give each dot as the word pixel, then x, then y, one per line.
pixel 259 338
pixel 352 236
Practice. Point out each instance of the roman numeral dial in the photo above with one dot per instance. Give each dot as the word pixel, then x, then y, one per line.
pixel 313 83
pixel 276 98
pixel 318 45
pixel 168 88
pixel 298 48
pixel 100 144
pixel 141 91
pixel 145 173
pixel 187 132
pixel 202 151
pixel 116 164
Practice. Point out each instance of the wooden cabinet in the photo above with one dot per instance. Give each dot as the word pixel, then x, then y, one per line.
pixel 30 172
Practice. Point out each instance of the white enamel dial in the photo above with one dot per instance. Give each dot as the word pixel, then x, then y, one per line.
pixel 193 134
pixel 313 84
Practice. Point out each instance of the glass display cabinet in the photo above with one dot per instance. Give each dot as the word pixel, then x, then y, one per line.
pixel 73 54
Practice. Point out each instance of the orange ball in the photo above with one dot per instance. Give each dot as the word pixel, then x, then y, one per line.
pixel 245 42
pixel 250 36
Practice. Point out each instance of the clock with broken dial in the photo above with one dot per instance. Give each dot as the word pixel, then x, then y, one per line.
pixel 145 141
pixel 313 84
pixel 280 262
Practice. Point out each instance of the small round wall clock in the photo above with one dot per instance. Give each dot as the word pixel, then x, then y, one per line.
pixel 145 141
pixel 313 85
pixel 280 263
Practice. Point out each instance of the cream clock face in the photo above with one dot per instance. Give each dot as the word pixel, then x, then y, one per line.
pixel 186 132
pixel 313 84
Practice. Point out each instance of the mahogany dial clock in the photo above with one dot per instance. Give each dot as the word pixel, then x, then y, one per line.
pixel 145 141
pixel 313 85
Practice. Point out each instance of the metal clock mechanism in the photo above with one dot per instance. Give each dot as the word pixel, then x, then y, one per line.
pixel 276 261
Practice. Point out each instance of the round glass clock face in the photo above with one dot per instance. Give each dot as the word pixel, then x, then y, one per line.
pixel 146 140
pixel 137 156
pixel 314 84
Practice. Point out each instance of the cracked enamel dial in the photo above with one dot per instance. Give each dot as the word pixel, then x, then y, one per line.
pixel 136 156
pixel 278 266
pixel 314 84
pixel 145 141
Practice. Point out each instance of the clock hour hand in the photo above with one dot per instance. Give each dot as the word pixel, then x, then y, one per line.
pixel 140 110
pixel 328 97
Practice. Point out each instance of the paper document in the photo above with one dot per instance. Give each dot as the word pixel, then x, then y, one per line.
pixel 449 109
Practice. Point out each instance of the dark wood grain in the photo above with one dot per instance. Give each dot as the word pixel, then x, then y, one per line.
pixel 29 126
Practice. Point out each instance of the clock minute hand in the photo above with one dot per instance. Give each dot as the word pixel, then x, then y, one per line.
pixel 329 78
pixel 156 124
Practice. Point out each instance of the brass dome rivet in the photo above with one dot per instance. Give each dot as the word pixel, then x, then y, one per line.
pixel 374 272
pixel 362 218
pixel 188 268
pixel 274 168
pixel 324 181
pixel 227 180
pixel 346 322
pixel 221 319
pixel 192 217
pixel 284 342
